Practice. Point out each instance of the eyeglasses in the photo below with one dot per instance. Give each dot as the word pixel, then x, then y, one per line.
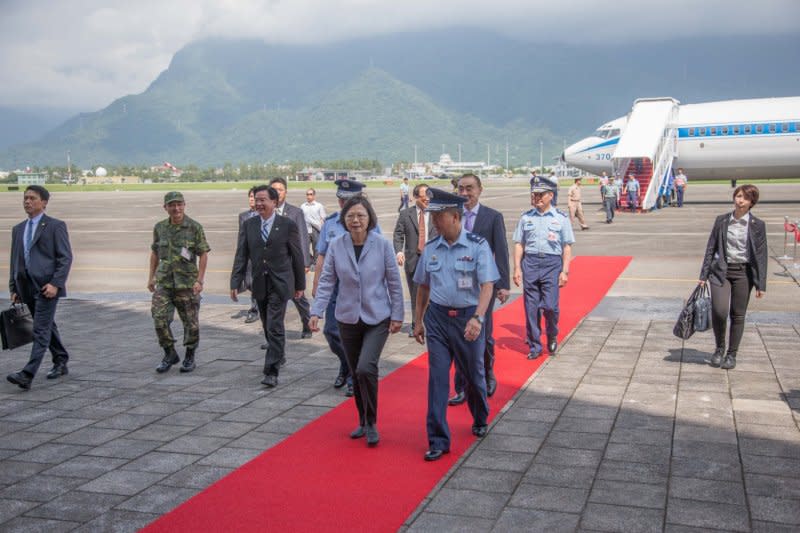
pixel 355 216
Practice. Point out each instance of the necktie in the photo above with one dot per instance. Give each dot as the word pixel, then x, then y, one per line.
pixel 421 240
pixel 29 240
pixel 265 230
pixel 470 220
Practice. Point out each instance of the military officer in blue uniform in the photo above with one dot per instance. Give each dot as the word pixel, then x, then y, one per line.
pixel 332 229
pixel 542 252
pixel 456 274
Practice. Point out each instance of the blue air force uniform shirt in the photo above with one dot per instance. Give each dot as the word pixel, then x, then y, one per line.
pixel 331 229
pixel 544 233
pixel 455 273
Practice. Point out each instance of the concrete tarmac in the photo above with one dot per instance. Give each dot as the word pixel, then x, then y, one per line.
pixel 627 429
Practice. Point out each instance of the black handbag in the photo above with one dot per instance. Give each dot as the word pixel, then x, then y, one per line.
pixel 685 326
pixel 16 327
pixel 702 309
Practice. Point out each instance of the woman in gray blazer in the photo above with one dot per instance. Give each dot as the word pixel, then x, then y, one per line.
pixel 734 263
pixel 369 305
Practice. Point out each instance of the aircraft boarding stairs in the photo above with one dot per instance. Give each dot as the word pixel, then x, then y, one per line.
pixel 647 148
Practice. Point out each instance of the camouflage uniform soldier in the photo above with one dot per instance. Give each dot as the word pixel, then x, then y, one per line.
pixel 176 281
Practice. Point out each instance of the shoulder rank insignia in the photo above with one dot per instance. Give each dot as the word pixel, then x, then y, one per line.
pixel 562 213
pixel 475 237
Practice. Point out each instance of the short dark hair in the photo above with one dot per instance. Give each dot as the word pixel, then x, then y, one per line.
pixel 43 193
pixel 311 190
pixel 280 180
pixel 272 193
pixel 418 188
pixel 359 200
pixel 750 192
pixel 471 175
pixel 252 191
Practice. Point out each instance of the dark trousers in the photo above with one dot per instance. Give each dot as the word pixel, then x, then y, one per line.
pixel 446 344
pixel 679 194
pixel 403 203
pixel 304 310
pixel 313 237
pixel 273 312
pixel 45 331
pixel 610 203
pixel 488 351
pixel 363 344
pixel 412 292
pixel 633 200
pixel 731 298
pixel 331 332
pixel 540 291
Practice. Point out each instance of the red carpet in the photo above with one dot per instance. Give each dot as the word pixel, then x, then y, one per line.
pixel 318 479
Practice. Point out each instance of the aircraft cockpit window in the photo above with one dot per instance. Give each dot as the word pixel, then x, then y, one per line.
pixel 603 134
pixel 614 133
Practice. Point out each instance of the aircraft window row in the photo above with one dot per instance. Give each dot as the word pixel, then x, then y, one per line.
pixel 746 129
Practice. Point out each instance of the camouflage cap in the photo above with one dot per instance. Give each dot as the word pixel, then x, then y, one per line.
pixel 173 196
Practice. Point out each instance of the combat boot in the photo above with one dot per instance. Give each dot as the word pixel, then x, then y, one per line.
pixel 170 358
pixel 188 361
pixel 729 363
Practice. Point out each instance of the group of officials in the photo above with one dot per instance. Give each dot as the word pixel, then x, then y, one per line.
pixel 453 250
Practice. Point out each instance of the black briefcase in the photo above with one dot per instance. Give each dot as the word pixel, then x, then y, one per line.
pixel 16 327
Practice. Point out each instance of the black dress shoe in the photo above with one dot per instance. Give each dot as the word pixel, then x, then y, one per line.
pixel 480 431
pixel 270 381
pixel 552 346
pixel 372 435
pixel 491 386
pixel 58 370
pixel 435 455
pixel 306 334
pixel 339 382
pixel 457 399
pixel 716 359
pixel 534 355
pixel 349 390
pixel 358 432
pixel 729 363
pixel 20 379
pixel 251 317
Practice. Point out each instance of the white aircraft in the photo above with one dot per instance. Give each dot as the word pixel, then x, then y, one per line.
pixel 734 139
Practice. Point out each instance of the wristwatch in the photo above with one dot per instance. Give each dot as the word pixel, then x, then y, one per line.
pixel 479 318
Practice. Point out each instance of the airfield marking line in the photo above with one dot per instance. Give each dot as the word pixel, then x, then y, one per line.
pixel 681 280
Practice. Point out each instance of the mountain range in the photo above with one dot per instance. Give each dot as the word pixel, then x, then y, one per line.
pixel 246 101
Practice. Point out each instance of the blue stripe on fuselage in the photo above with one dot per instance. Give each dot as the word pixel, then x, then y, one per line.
pixel 603 144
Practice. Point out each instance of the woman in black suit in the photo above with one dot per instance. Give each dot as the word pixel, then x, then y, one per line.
pixel 735 262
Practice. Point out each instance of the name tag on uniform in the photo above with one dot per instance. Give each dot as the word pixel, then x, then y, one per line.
pixel 185 253
pixel 465 282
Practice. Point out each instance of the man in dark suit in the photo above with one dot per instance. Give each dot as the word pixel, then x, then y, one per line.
pixel 41 257
pixel 489 224
pixel 296 215
pixel 409 241
pixel 272 245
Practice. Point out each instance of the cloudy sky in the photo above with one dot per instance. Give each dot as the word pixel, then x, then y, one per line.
pixel 82 54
